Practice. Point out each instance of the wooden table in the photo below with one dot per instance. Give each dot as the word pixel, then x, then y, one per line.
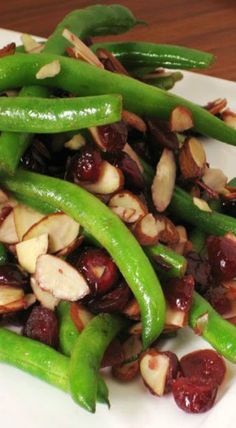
pixel 204 24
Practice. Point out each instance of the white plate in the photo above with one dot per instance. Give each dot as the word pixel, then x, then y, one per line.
pixel 26 402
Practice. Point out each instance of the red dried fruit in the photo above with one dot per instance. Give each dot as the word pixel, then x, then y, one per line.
pixel 126 372
pixel 85 166
pixel 110 62
pixel 8 50
pixel 112 137
pixel 42 325
pixel 179 293
pixel 199 267
pixel 204 363
pixel 99 270
pixel 222 256
pixel 134 180
pixel 173 371
pixel 111 302
pixel 194 395
pixel 114 354
pixel 10 274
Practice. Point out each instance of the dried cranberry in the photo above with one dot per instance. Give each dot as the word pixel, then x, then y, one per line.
pixel 133 177
pixel 229 207
pixel 85 166
pixel 173 371
pixel 161 134
pixel 222 256
pixel 204 363
pixel 114 136
pixel 198 266
pixel 99 270
pixel 113 355
pixel 10 274
pixel 194 395
pixel 114 301
pixel 42 325
pixel 179 293
pixel 216 296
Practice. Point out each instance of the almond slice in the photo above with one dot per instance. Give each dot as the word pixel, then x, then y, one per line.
pixel 192 159
pixel 202 205
pixel 181 119
pixel 9 294
pixel 15 306
pixel 30 44
pixel 168 234
pixel 76 142
pixel 25 218
pixel 164 181
pixel 80 315
pixel 229 117
pixel 80 50
pixel 175 317
pixel 154 367
pixel 180 246
pixel 134 121
pixel 8 233
pixel 111 180
pixel 49 70
pixel 60 278
pixel 127 206
pixel 147 230
pixel 133 155
pixel 215 179
pixel 28 251
pixel 61 229
pixel 215 107
pixel 44 297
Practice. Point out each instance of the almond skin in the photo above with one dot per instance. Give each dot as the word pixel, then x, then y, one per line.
pixel 164 181
pixel 192 159
pixel 127 206
pixel 147 230
pixel 181 119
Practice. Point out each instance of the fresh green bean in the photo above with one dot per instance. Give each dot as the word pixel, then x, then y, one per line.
pixel 163 82
pixel 217 331
pixel 212 223
pixel 198 239
pixel 143 99
pixel 176 262
pixel 140 54
pixel 87 356
pixel 47 115
pixel 3 254
pixel 232 182
pixel 112 234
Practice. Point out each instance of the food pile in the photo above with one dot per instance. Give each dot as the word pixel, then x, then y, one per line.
pixel 115 231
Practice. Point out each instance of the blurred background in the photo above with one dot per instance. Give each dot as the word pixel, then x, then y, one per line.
pixel 203 24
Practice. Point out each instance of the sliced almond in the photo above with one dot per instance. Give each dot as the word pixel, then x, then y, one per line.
pixel 217 106
pixel 147 230
pixel 25 217
pixel 3 197
pixel 76 142
pixel 192 159
pixel 15 306
pixel 201 323
pixel 127 206
pixel 134 121
pixel 81 50
pixel 164 181
pixel 28 251
pixel 168 234
pixel 49 70
pixel 136 329
pixel 132 310
pixel 154 367
pixel 175 317
pixel 215 179
pixel 180 246
pixel 111 180
pixel 125 372
pixel 60 278
pixel 30 44
pixel 229 117
pixel 8 233
pixel 61 229
pixel 80 315
pixel 181 119
pixel 97 137
pixel 71 247
pixel 133 155
pixel 9 294
pixel 202 205
pixel 44 297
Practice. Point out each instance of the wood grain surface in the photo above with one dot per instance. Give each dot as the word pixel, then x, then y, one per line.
pixel 204 24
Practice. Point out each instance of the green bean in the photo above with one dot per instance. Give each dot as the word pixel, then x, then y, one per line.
pixel 232 182
pixel 21 69
pixel 163 82
pixel 112 234
pixel 36 115
pixel 87 356
pixel 212 223
pixel 198 239
pixel 176 262
pixel 217 331
pixel 140 54
pixel 68 335
pixel 3 254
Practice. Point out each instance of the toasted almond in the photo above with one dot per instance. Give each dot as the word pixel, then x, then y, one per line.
pixel 134 121
pixel 3 197
pixel 229 117
pixel 61 229
pixel 28 251
pixel 192 159
pixel 217 106
pixel 80 315
pixel 97 137
pixel 202 205
pixel 107 58
pixel 71 247
pixel 180 246
pixel 136 329
pixel 30 44
pixel 132 310
pixel 147 230
pixel 154 367
pixel 111 180
pixel 175 317
pixel 168 234
pixel 44 297
pixel 201 323
pixel 9 294
pixel 81 50
pixel 30 299
pixel 181 119
pixel 8 233
pixel 133 155
pixel 15 306
pixel 25 217
pixel 49 70
pixel 164 181
pixel 125 372
pixel 9 49
pixel 127 206
pixel 76 142
pixel 215 179
pixel 60 278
